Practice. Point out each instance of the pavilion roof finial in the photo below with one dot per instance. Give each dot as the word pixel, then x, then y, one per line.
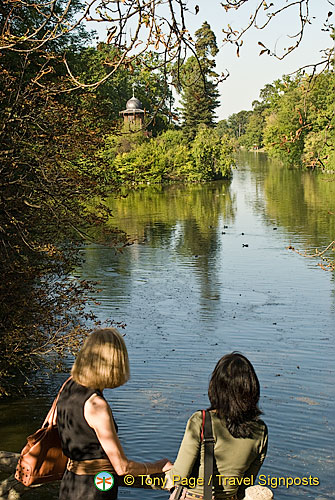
pixel 134 105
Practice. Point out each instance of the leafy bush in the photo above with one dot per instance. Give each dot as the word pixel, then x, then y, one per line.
pixel 212 155
pixel 170 157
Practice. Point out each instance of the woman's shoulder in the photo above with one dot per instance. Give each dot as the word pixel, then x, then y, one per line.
pixel 76 394
pixel 262 425
pixel 195 419
pixel 96 403
pixel 197 415
pixel 259 430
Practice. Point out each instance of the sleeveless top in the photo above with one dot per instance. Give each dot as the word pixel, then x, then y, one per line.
pixel 79 440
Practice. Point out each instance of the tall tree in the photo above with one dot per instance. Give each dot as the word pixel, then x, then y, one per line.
pixel 299 126
pixel 200 96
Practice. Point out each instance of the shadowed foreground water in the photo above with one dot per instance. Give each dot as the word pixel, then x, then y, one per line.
pixel 210 273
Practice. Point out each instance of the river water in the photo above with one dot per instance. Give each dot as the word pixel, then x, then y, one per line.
pixel 209 272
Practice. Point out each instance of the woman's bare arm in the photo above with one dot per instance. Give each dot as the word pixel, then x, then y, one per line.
pixel 98 415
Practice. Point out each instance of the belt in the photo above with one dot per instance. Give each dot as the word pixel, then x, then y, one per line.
pixel 89 467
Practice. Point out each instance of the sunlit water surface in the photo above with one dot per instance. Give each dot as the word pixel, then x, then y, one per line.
pixel 210 273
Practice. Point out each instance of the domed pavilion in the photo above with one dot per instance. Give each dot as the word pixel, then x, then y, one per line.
pixel 133 115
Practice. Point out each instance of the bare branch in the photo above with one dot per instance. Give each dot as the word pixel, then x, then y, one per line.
pixel 158 25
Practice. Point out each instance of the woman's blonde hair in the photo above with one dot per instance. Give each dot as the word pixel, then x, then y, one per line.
pixel 102 361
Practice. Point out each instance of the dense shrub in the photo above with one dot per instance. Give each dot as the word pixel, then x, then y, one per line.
pixel 170 157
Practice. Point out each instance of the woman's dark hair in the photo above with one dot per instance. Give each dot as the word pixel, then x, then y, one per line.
pixel 234 393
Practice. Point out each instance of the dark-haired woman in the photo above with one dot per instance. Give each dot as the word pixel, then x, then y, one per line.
pixel 240 435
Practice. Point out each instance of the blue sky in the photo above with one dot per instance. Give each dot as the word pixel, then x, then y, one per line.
pixel 250 72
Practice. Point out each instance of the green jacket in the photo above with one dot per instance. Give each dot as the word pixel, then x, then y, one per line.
pixel 237 460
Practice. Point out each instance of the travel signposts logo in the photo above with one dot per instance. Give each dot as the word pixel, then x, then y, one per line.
pixel 104 481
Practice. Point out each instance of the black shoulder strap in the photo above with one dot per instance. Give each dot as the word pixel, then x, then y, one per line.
pixel 208 441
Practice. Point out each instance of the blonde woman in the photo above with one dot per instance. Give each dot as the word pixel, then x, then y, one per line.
pixel 86 425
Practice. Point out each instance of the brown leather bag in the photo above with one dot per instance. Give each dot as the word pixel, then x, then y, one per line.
pixel 42 459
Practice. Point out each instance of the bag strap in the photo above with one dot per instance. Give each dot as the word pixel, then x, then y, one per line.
pixel 179 492
pixel 51 418
pixel 208 440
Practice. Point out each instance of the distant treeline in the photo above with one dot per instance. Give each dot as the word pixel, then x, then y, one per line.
pixel 293 121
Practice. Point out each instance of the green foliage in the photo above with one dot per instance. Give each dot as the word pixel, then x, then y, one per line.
pixel 169 157
pixel 294 121
pixel 283 134
pixel 235 125
pixel 48 148
pixel 200 96
pixel 206 45
pixel 212 155
pixel 104 103
pixel 144 163
pixel 319 145
pixel 300 122
pixel 253 136
pixel 43 218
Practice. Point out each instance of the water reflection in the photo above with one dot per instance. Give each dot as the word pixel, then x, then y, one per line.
pixel 187 220
pixel 156 214
pixel 209 273
pixel 301 202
